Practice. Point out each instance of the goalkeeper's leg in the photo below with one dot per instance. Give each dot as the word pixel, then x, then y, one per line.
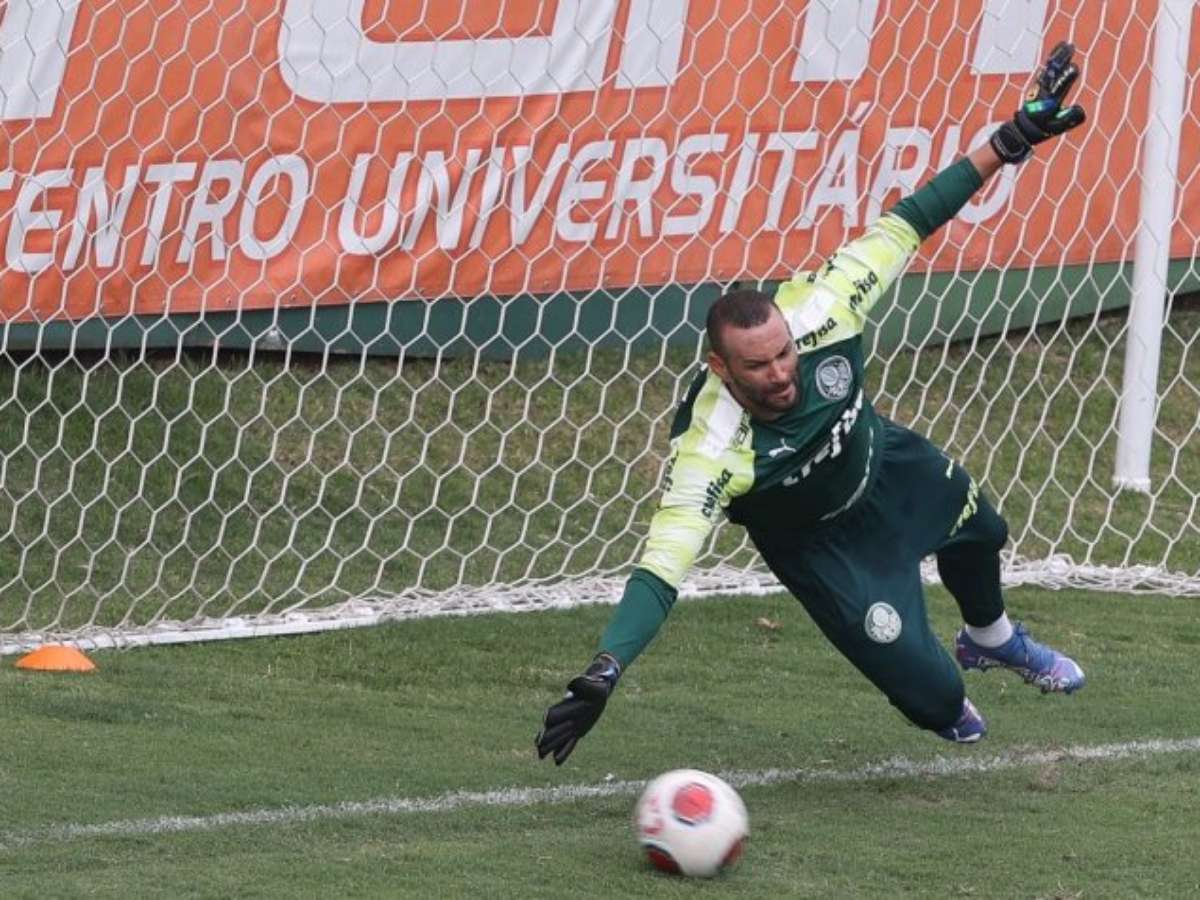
pixel 969 565
pixel 891 643
pixel 872 608
pixel 969 561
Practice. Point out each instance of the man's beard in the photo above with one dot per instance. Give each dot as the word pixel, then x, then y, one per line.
pixel 777 401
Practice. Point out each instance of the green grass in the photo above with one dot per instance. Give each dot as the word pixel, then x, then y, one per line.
pixel 136 489
pixel 429 707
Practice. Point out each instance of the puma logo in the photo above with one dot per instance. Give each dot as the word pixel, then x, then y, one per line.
pixel 782 450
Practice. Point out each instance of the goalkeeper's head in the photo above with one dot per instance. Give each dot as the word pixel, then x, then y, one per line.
pixel 751 349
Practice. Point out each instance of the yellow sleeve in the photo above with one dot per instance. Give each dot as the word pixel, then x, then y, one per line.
pixel 711 463
pixel 831 305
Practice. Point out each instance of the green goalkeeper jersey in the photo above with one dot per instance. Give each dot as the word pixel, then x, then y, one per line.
pixel 806 466
pixel 816 459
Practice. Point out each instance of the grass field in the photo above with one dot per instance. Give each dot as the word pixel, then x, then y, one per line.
pixel 398 762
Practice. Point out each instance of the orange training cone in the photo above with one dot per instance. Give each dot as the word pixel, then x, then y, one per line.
pixel 56 658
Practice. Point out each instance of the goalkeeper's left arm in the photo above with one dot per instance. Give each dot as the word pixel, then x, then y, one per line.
pixel 860 273
pixel 1038 119
pixel 1041 117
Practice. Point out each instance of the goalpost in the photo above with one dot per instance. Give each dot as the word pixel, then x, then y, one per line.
pixel 322 314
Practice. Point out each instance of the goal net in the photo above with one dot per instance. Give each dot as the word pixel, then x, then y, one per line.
pixel 317 314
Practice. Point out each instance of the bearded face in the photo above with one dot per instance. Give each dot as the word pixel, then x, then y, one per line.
pixel 758 365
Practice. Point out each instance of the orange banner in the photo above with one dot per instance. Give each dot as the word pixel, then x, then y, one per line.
pixel 248 155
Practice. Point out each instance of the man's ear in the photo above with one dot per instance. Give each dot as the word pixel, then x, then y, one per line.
pixel 717 365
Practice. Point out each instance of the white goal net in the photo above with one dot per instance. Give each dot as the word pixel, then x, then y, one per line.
pixel 317 314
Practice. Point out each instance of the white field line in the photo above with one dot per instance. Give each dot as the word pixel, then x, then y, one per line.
pixel 896 768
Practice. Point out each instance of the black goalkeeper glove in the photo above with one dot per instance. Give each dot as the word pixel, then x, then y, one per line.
pixel 1042 115
pixel 574 715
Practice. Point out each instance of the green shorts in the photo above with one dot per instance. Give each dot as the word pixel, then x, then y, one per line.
pixel 859 576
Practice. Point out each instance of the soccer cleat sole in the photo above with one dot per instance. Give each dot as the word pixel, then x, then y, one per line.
pixel 1048 684
pixel 969 739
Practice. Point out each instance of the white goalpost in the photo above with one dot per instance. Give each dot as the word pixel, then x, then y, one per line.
pixel 338 313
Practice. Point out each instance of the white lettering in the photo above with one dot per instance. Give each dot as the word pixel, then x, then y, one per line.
pixel 109 221
pixel 1010 37
pixel 295 170
pixel 493 184
pixel 164 175
pixel 523 211
pixel 736 195
pixel 892 174
pixel 653 39
pixel 607 192
pixel 838 183
pixel 576 189
pixel 25 219
pixel 452 208
pixel 327 57
pixel 639 190
pixel 836 40
pixel 432 169
pixel 434 178
pixel 34 38
pixel 686 183
pixel 209 212
pixel 351 239
pixel 787 143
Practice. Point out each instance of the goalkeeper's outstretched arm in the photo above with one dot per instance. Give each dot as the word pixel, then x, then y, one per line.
pixel 1042 116
pixel 859 274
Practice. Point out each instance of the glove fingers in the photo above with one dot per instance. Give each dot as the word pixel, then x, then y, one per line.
pixel 1062 86
pixel 553 736
pixel 1067 119
pixel 564 751
pixel 552 739
pixel 563 711
pixel 1057 61
pixel 572 717
pixel 1057 65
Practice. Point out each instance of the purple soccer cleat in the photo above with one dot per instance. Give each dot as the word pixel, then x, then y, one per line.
pixel 969 728
pixel 1036 663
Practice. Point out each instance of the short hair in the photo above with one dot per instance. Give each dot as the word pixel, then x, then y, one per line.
pixel 738 309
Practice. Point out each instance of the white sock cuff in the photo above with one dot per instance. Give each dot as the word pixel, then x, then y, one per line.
pixel 991 635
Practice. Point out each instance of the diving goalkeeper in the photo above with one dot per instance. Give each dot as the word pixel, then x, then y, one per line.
pixel 842 504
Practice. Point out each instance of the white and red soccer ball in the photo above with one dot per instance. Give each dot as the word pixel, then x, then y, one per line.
pixel 689 822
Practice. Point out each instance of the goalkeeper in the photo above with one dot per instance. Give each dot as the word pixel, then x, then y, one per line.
pixel 842 504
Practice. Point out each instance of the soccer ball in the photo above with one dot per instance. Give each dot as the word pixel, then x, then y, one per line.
pixel 691 823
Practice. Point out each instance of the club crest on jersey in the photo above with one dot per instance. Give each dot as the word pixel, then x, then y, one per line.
pixel 882 623
pixel 833 378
